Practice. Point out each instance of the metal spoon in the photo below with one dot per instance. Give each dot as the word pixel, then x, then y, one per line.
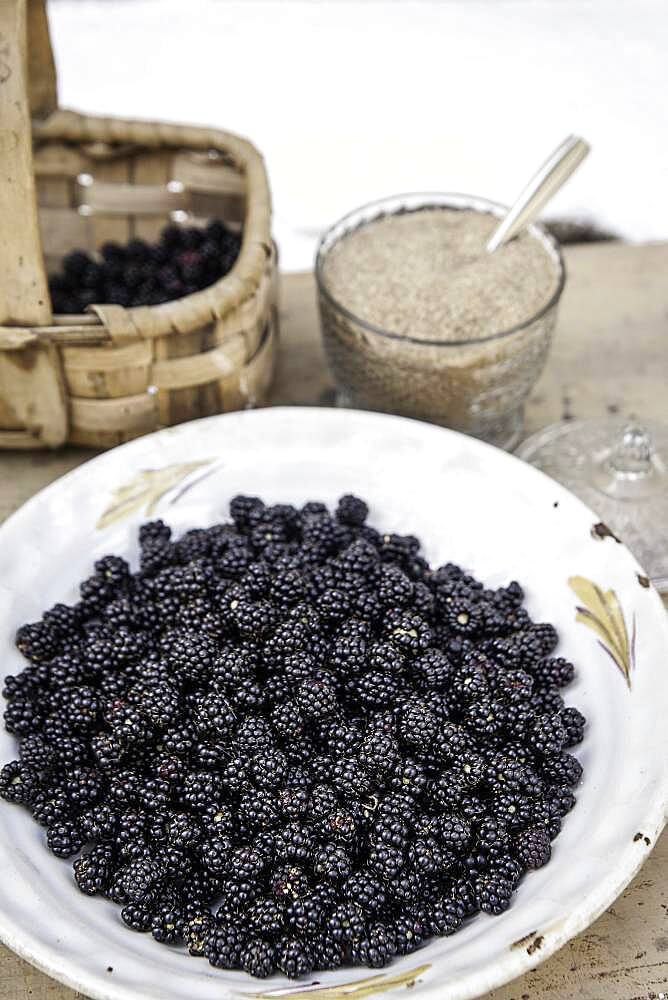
pixel 546 182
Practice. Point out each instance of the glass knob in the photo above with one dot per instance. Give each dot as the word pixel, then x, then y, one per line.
pixel 632 452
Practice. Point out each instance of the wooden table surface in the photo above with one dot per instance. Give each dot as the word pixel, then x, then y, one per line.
pixel 610 355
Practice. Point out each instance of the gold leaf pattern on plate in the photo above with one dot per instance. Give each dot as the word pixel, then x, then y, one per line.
pixel 146 490
pixel 601 612
pixel 360 988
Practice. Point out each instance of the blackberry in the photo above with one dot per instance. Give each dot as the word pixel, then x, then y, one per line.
pixel 37 641
pixel 574 723
pixel 386 658
pixel 268 769
pixel 216 820
pixel 93 871
pixel 293 957
pixel 485 718
pixel 233 778
pixel 398 806
pixel 260 809
pixel 167 925
pixel 245 864
pixel 316 699
pixel 426 856
pixel 293 801
pixel 332 862
pixel 138 880
pixel 323 800
pixel 556 672
pixel 409 776
pixel 346 923
pixel 49 806
pixel 63 619
pixel 408 631
pixel 64 839
pixel 376 948
pixel 379 754
pixel 200 789
pixel 304 916
pixel 84 785
pixel 408 932
pixel 418 726
pixel 294 843
pixel 157 700
pixel 507 867
pixel 444 916
pixel 471 767
pixel 339 737
pixel 288 882
pixel 257 958
pixel 196 931
pixel 561 769
pixel 547 701
pixel 23 717
pixel 376 688
pixel 432 670
pixel 235 664
pixel 99 822
pixel 366 890
pixel 547 735
pixel 454 833
pixel 532 847
pixel 385 861
pixel 189 653
pixel 224 945
pixel 19 782
pixel 513 808
pixel 325 952
pixel 464 617
pixel 350 779
pixel 391 831
pixel 137 917
pixel 351 510
pixel 35 752
pixel 533 644
pixel 492 835
pixel 266 917
pixel 493 894
pixel 253 735
pixel 463 893
pixel 128 725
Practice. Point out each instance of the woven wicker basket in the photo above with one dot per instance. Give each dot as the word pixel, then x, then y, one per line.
pixel 103 378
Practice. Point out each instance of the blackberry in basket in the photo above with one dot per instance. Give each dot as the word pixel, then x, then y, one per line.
pixel 184 260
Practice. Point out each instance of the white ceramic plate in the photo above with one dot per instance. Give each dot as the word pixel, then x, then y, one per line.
pixel 469 503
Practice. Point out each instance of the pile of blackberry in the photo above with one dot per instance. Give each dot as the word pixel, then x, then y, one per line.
pixel 288 743
pixel 184 260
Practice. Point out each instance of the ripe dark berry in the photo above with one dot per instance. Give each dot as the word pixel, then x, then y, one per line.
pixel 257 958
pixel 533 847
pixel 574 723
pixel 293 957
pixel 493 894
pixel 64 839
pixel 351 510
pixel 19 782
pixel 137 917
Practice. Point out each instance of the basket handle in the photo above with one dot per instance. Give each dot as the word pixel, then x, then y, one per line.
pixel 24 295
pixel 42 86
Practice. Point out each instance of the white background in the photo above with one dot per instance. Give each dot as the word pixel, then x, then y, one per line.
pixel 350 101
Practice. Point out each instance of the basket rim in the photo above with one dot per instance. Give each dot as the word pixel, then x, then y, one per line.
pixel 227 293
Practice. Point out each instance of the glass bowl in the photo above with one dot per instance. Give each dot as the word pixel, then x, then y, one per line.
pixel 477 386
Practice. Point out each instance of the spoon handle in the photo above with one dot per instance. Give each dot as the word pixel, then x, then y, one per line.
pixel 546 182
